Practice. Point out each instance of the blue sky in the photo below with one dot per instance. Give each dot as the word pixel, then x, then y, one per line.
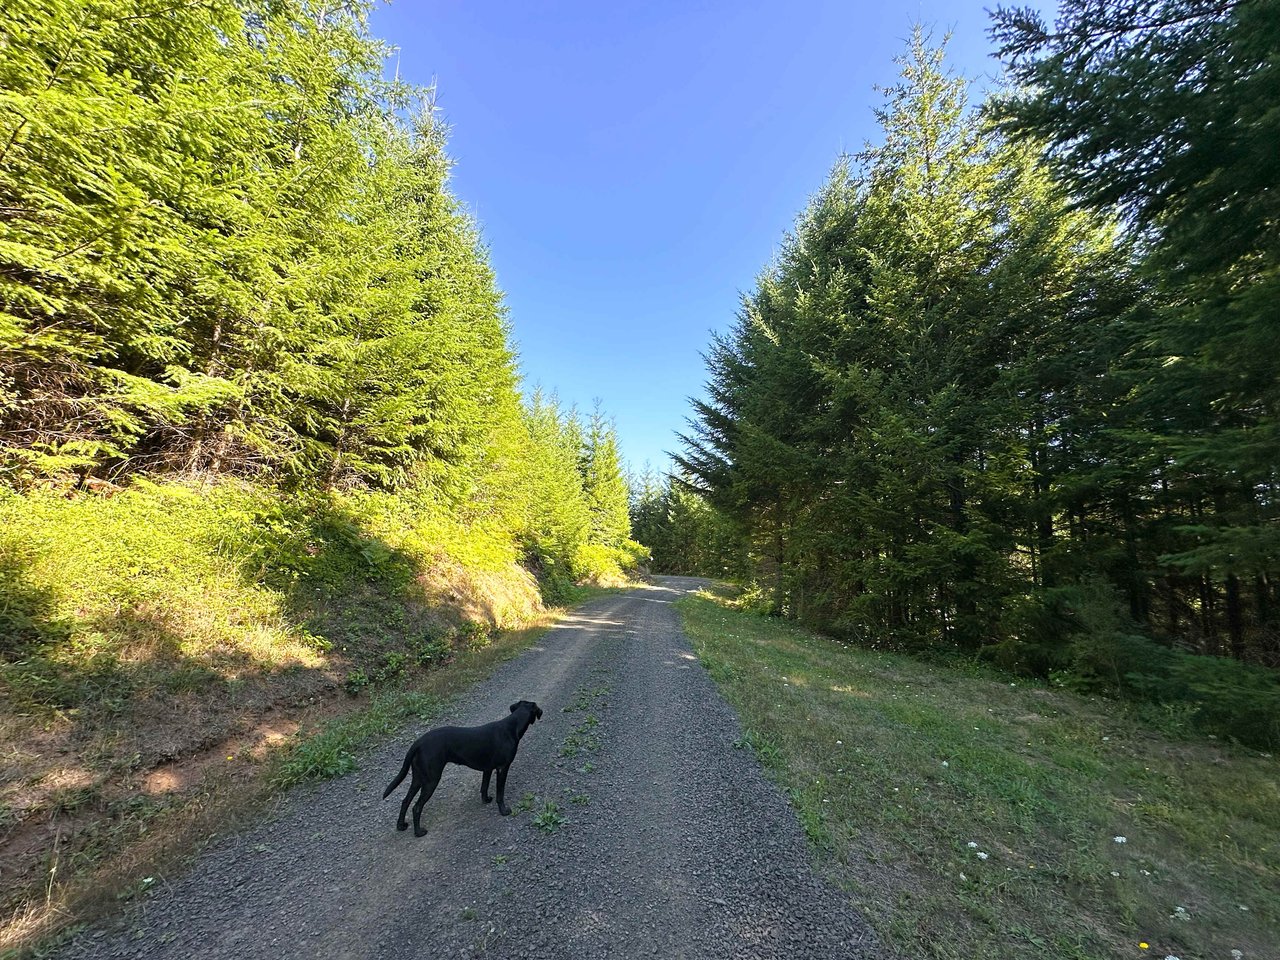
pixel 633 166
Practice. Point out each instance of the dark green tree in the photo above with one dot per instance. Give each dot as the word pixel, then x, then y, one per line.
pixel 603 481
pixel 1165 111
pixel 884 414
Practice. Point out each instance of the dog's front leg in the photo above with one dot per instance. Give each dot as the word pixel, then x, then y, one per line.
pixel 502 791
pixel 484 788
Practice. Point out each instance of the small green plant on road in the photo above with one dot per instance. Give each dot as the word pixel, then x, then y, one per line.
pixel 549 818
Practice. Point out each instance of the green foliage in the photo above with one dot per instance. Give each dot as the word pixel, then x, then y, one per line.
pixel 1231 699
pixel 603 483
pixel 322 757
pixel 171 586
pixel 963 410
pixel 878 418
pixel 225 249
pixel 330 751
pixel 229 246
pixel 549 819
pixel 575 524
pixel 683 533
pixel 1165 110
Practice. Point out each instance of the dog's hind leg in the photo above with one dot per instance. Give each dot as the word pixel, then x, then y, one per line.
pixel 484 788
pixel 414 786
pixel 429 783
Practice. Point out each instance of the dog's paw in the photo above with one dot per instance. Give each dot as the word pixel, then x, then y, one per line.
pixel 402 826
pixel 505 811
pixel 419 832
pixel 486 799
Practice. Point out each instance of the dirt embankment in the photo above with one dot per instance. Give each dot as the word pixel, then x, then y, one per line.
pixel 165 745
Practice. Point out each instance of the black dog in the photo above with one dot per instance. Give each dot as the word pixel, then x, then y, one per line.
pixel 488 748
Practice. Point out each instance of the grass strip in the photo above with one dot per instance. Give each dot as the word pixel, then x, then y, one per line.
pixel 976 815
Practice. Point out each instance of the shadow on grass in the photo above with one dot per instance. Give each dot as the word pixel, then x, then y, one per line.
pixel 154 628
pixel 351 603
pixel 341 585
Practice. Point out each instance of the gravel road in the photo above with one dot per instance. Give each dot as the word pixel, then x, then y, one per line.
pixel 673 844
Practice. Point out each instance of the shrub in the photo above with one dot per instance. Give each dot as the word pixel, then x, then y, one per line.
pixel 1080 637
pixel 1232 699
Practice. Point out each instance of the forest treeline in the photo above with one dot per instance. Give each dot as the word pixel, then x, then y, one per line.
pixel 228 249
pixel 1011 384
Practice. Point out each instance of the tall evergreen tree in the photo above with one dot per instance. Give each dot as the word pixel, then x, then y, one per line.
pixel 603 482
pixel 881 416
pixel 1165 109
pixel 225 249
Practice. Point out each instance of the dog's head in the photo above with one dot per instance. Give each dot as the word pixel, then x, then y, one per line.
pixel 535 711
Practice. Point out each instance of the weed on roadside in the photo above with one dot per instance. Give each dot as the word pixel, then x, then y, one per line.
pixel 330 751
pixel 549 819
pixel 587 698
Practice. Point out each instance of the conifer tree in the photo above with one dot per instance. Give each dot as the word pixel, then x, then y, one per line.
pixel 1164 110
pixel 870 416
pixel 604 484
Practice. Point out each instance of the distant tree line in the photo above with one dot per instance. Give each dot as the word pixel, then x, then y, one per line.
pixel 683 532
pixel 228 248
pixel 1011 385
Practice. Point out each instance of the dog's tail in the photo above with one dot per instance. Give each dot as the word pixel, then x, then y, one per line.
pixel 404 771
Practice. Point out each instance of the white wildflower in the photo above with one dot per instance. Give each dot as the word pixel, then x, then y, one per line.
pixel 972 845
pixel 1120 839
pixel 1237 954
pixel 981 855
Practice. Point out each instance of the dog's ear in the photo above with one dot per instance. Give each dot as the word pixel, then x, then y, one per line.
pixel 514 706
pixel 537 712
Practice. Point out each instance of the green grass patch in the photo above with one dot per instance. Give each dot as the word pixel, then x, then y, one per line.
pixel 549 819
pixel 972 814
pixel 330 751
